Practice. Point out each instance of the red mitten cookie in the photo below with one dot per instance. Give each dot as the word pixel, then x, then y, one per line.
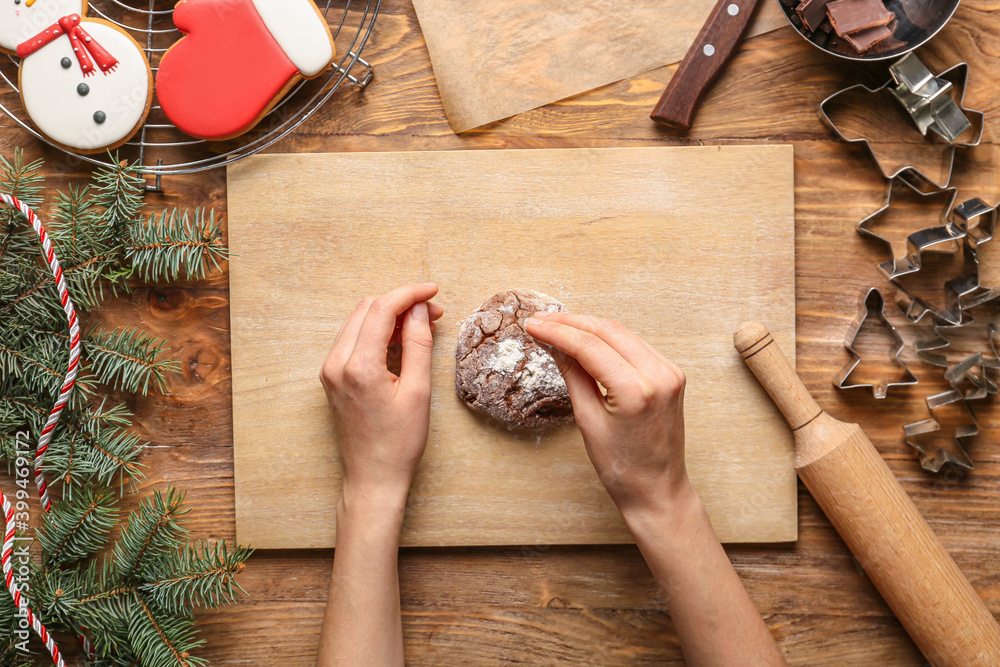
pixel 237 59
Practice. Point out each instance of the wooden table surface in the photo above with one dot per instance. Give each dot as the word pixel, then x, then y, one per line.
pixel 595 605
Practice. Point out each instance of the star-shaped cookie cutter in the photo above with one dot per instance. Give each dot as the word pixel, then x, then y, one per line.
pixel 946 407
pixel 917 242
pixel 872 305
pixel 958 77
pixel 975 222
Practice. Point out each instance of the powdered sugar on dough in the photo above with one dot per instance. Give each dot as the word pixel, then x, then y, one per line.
pixel 541 374
pixel 508 356
pixel 51 91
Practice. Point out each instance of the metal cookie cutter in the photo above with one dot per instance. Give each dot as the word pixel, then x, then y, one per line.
pixel 872 305
pixel 976 223
pixel 917 242
pixel 928 100
pixel 980 222
pixel 940 438
pixel 977 373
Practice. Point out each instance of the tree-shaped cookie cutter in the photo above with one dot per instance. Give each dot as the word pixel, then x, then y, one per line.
pixel 950 416
pixel 927 99
pixel 976 222
pixel 980 367
pixel 872 306
pixel 977 374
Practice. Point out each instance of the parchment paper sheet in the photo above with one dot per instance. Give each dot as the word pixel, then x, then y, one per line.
pixel 497 58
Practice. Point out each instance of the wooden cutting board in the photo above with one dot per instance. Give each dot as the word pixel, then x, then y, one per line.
pixel 679 244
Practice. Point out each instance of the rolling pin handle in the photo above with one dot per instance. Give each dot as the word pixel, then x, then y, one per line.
pixel 762 354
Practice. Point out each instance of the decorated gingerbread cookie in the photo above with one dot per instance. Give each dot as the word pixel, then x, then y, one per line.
pixel 85 83
pixel 238 58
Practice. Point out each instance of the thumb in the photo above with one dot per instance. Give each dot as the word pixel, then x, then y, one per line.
pixel 418 344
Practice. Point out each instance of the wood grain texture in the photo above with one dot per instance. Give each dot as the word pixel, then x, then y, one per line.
pixel 638 234
pixel 821 608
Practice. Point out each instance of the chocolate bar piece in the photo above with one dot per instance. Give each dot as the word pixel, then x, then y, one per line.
pixel 886 45
pixel 812 13
pixel 849 16
pixel 863 40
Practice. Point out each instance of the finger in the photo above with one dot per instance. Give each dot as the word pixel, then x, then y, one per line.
pixel 380 320
pixel 418 345
pixel 627 344
pixel 674 368
pixel 633 347
pixel 348 334
pixel 595 356
pixel 584 393
pixel 435 311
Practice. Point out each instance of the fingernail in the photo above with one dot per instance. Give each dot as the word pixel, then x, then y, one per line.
pixel 420 312
pixel 531 321
pixel 431 284
pixel 542 313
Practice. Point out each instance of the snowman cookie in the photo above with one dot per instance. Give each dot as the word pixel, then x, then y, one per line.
pixel 85 83
pixel 237 59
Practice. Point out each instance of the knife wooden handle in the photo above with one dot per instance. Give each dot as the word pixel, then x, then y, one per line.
pixel 704 60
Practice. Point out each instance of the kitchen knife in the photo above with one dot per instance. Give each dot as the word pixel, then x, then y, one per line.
pixel 704 60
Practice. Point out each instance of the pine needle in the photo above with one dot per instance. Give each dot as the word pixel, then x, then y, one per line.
pixel 127 359
pixel 172 245
pixel 134 598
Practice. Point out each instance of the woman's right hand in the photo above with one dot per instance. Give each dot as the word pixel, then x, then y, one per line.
pixel 635 433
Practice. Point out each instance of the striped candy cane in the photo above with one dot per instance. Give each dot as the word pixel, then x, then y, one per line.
pixel 50 424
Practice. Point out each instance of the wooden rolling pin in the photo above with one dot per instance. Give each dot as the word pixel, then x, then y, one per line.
pixel 862 498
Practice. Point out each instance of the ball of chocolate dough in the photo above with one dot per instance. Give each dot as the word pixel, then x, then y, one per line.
pixel 503 372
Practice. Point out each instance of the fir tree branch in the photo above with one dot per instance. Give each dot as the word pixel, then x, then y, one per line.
pixel 83 280
pixel 93 451
pixel 75 529
pixel 164 642
pixel 173 245
pixel 127 359
pixel 37 368
pixel 151 530
pixel 135 602
pixel 120 190
pixel 21 180
pixel 202 576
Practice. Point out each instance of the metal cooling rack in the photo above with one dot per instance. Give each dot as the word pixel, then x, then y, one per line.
pixel 159 148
